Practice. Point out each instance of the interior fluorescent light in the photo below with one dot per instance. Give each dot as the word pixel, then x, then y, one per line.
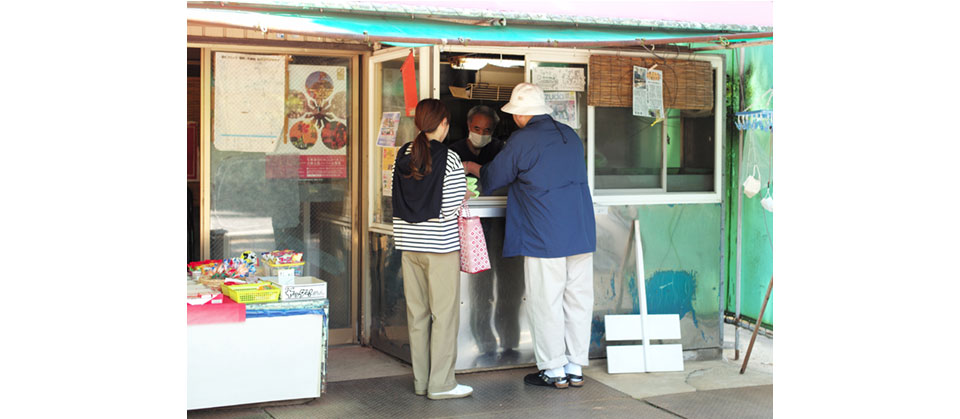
pixel 478 63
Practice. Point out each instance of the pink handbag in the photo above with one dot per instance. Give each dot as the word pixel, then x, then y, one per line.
pixel 473 247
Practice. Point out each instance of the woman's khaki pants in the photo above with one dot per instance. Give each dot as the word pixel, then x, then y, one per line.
pixel 431 285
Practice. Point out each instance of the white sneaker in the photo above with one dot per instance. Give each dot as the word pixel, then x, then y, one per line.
pixel 459 391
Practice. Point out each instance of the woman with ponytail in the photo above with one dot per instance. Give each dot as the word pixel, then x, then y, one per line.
pixel 429 186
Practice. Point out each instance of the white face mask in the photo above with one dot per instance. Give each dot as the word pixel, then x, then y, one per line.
pixel 479 141
pixel 752 185
pixel 767 201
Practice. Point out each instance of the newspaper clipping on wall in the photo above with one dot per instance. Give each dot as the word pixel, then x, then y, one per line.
pixel 647 92
pixel 564 106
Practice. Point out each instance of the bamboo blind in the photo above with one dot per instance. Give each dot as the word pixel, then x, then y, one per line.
pixel 687 85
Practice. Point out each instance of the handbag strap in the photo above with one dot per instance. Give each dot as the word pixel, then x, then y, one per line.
pixel 464 209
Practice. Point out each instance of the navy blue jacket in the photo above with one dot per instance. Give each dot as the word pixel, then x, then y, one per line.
pixel 549 208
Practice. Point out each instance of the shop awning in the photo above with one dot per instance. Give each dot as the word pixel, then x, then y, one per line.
pixel 400 31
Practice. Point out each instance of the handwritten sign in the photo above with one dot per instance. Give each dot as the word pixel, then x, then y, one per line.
pixel 248 101
pixel 558 78
pixel 304 293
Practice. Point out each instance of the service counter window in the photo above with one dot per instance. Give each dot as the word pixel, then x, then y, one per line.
pixel 477 77
pixel 630 159
pixel 474 86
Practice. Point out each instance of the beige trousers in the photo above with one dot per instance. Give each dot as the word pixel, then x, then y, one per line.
pixel 560 308
pixel 431 285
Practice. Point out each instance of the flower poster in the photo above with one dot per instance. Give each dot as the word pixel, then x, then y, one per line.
pixel 564 105
pixel 248 101
pixel 316 112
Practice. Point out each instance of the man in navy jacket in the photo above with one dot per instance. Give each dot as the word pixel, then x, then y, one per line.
pixel 550 222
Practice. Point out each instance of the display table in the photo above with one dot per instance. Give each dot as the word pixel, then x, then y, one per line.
pixel 277 353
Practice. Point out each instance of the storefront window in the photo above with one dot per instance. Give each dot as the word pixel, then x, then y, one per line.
pixel 691 149
pixel 628 152
pixel 297 194
pixel 638 159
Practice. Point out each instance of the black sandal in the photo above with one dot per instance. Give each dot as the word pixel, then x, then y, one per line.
pixel 542 379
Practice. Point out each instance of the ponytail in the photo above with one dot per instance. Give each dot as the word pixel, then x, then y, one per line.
pixel 420 157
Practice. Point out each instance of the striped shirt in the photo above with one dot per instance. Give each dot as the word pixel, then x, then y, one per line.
pixel 436 235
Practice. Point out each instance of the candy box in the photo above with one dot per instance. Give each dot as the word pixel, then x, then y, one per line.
pixel 286 271
pixel 302 288
pixel 199 294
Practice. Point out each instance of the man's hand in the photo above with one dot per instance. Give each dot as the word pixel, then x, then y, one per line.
pixel 472 168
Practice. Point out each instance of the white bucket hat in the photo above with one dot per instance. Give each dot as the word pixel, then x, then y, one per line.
pixel 527 99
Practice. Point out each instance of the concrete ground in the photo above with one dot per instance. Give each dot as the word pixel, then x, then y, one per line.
pixel 363 382
pixel 697 375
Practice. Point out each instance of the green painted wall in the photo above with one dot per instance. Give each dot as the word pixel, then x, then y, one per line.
pixel 682 263
pixel 681 258
pixel 757 228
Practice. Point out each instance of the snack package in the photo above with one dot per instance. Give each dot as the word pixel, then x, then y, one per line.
pixel 279 257
pixel 236 268
pixel 472 186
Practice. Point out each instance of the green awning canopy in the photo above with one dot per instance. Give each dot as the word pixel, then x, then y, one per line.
pixel 356 26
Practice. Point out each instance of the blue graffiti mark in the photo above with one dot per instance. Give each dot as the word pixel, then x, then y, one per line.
pixel 634 293
pixel 671 292
pixel 597 330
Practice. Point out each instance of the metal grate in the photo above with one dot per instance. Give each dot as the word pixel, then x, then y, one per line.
pixel 495 394
pixel 743 402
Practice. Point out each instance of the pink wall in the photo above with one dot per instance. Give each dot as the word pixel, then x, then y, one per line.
pixel 758 13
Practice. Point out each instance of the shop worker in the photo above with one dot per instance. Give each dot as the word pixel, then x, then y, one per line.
pixel 550 222
pixel 479 146
pixel 429 187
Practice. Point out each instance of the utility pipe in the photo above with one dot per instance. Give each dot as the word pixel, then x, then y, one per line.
pixel 466 41
pixel 733 45
pixel 736 345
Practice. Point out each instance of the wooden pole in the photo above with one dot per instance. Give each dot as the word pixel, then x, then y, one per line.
pixel 757 326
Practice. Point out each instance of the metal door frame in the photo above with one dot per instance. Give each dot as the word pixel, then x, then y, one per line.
pixel 337 336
